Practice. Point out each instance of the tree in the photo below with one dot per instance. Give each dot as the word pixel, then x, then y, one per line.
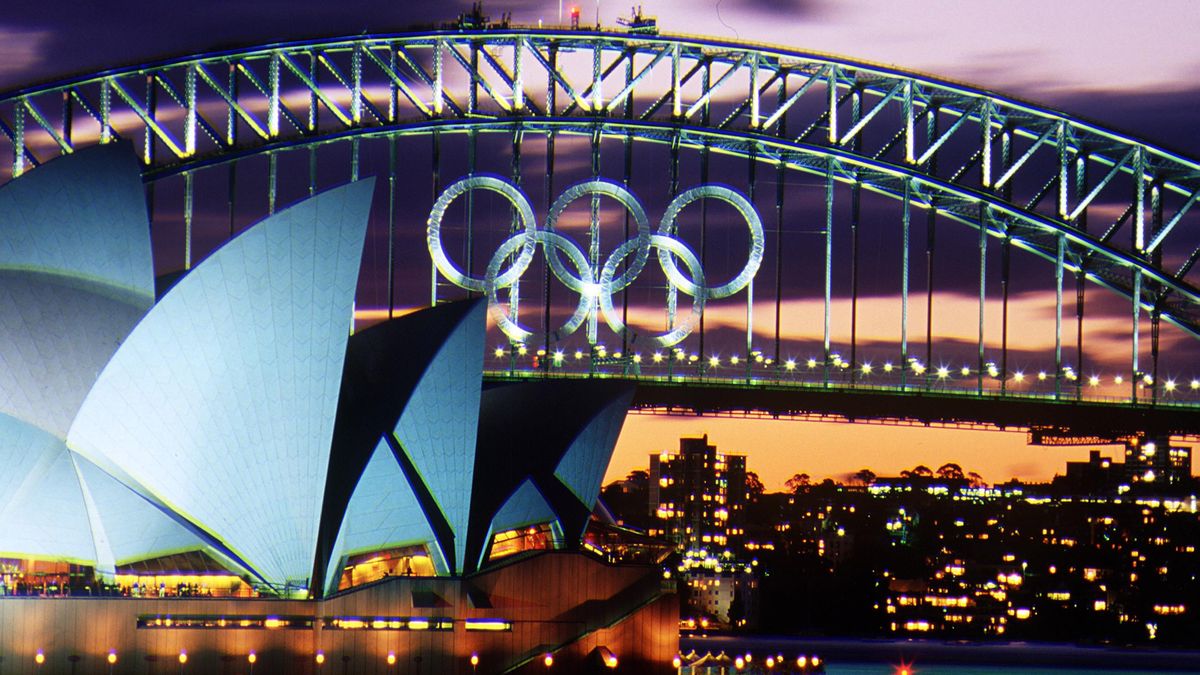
pixel 865 476
pixel 798 482
pixel 976 480
pixel 638 478
pixel 753 485
pixel 950 471
pixel 922 471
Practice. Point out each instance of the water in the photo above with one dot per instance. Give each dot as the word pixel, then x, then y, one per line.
pixel 939 669
pixel 932 657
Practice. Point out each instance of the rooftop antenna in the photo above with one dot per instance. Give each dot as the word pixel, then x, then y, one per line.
pixel 560 12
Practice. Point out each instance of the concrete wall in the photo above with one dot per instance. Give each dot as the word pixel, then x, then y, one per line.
pixel 563 603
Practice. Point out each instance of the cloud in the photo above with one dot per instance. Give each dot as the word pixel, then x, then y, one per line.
pixel 21 50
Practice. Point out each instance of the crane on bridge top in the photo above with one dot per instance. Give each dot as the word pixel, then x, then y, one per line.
pixel 639 23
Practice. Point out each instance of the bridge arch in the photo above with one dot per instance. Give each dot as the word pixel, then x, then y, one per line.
pixel 1024 174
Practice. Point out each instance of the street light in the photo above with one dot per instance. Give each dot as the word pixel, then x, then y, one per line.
pixel 112 660
pixel 391 658
pixel 474 662
pixel 549 660
pixel 252 658
pixel 39 658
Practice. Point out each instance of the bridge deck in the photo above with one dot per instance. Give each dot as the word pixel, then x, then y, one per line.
pixel 1048 417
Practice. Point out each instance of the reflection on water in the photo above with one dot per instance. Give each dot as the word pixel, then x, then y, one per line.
pixel 937 669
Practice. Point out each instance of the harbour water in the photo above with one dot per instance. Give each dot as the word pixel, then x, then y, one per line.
pixel 932 657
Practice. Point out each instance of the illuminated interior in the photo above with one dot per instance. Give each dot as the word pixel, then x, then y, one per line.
pixel 512 542
pixel 20 576
pixel 411 561
pixel 190 574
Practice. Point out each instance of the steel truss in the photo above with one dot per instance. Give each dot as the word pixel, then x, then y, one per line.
pixel 1026 175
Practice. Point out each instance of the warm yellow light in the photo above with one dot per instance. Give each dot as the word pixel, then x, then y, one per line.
pixel 610 661
pixel 739 663
pixel 418 624
pixel 112 657
pixel 770 662
pixel 816 662
pixel 320 658
pixel 252 658
pixel 182 657
pixel 866 369
pixel 474 660
pixel 887 367
pixel 801 661
pixel 548 660
pixel 1019 376
pixel 657 357
pixel 790 365
pixel 39 658
pixel 677 662
pixel 488 624
pixel 273 623
pixel 391 658
pixel 499 352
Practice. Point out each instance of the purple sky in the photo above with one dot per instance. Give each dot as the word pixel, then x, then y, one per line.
pixel 1128 66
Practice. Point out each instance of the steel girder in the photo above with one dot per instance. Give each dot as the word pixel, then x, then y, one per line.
pixel 1021 171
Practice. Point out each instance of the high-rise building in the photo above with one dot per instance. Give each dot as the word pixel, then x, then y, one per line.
pixel 695 493
pixel 1155 460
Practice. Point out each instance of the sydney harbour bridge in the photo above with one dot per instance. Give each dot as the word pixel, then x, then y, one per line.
pixel 738 228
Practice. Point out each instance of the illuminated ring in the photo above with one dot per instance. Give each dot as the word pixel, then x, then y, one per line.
pixel 666 246
pixel 519 202
pixel 586 288
pixel 599 186
pixel 756 240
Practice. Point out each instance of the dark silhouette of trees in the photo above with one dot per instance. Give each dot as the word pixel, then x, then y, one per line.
pixel 754 485
pixel 798 482
pixel 950 471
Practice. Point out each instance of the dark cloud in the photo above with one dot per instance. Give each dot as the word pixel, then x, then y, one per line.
pixel 1163 118
pixel 81 37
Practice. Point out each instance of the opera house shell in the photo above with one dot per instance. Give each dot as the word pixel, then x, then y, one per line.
pixel 212 471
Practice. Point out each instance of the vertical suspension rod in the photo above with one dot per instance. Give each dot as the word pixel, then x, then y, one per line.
pixel 905 224
pixel 780 177
pixel 855 196
pixel 826 323
pixel 931 127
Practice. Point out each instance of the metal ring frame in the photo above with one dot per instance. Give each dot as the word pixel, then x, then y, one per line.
pixel 590 292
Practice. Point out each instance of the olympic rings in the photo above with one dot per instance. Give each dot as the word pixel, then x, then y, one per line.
pixel 743 206
pixel 594 294
pixel 433 233
pixel 663 244
pixel 626 198
pixel 587 290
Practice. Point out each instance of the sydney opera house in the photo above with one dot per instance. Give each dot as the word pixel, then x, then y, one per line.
pixel 213 473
